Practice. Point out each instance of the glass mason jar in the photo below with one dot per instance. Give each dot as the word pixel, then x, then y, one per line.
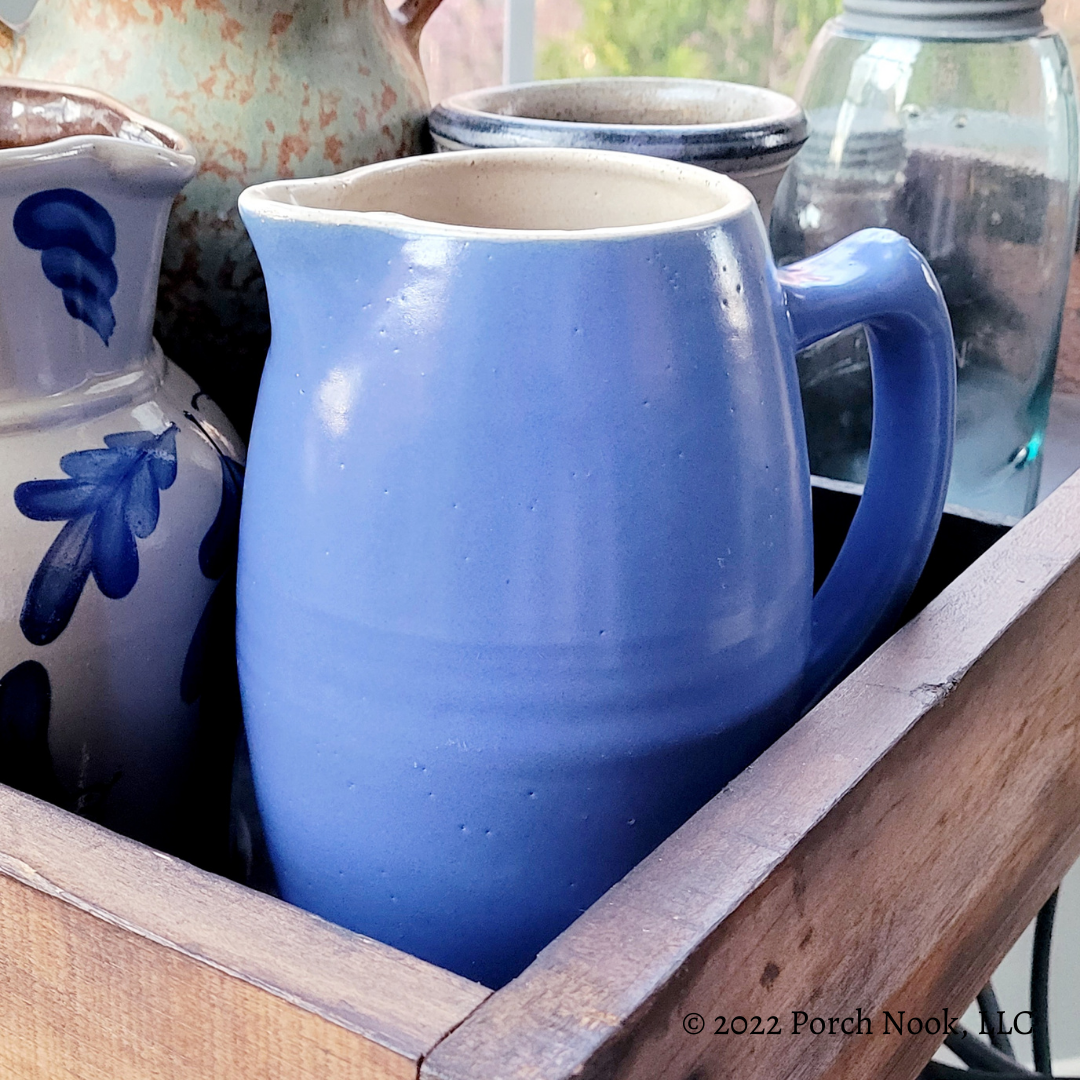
pixel 953 122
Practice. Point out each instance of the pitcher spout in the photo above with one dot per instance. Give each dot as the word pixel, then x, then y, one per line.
pixel 86 186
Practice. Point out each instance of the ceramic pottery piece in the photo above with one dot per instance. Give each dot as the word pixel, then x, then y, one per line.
pixel 745 131
pixel 526 558
pixel 262 90
pixel 120 480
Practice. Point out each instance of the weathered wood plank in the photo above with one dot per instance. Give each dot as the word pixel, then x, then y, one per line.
pixel 883 854
pixel 120 963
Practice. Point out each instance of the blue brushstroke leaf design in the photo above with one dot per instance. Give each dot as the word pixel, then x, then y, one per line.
pixel 110 499
pixel 217 552
pixel 77 240
pixel 25 759
pixel 218 608
pixel 217 561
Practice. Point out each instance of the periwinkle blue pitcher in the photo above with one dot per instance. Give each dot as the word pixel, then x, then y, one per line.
pixel 526 564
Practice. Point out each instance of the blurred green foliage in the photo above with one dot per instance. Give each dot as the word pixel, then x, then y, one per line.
pixel 754 41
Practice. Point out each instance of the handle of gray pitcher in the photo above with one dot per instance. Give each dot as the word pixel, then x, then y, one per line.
pixel 875 277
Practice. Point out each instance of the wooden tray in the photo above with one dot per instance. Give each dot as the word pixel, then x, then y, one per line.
pixel 883 854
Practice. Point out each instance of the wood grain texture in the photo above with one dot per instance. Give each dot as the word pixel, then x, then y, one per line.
pixel 120 963
pixel 883 855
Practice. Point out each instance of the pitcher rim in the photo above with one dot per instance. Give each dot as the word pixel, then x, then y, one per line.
pixel 276 199
pixel 173 145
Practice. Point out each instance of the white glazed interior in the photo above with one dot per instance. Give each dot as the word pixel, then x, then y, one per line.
pixel 631 101
pixel 528 190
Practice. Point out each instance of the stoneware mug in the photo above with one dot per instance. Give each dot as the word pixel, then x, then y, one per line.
pixel 526 567
pixel 748 132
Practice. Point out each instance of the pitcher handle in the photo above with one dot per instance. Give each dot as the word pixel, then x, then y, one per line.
pixel 875 277
pixel 412 17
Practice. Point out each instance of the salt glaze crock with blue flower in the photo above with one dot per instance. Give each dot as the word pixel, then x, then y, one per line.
pixel 526 567
pixel 119 481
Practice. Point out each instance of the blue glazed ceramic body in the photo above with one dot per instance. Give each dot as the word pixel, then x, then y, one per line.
pixel 526 558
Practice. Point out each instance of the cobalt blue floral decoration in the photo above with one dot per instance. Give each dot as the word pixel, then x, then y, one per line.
pixel 77 240
pixel 217 561
pixel 110 500
pixel 90 438
pixel 25 759
pixel 217 552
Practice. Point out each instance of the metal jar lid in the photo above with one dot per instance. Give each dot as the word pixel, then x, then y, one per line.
pixel 959 20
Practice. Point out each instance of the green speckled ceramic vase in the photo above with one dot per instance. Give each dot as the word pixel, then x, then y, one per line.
pixel 263 89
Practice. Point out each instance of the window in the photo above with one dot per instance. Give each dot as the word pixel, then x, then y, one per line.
pixel 473 43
